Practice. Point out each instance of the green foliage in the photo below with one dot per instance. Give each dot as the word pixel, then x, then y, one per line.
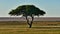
pixel 27 10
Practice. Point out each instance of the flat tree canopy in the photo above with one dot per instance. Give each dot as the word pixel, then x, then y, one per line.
pixel 27 10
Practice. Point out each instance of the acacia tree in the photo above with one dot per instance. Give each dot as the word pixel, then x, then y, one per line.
pixel 27 10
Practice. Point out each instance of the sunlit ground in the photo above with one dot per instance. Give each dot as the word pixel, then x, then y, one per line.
pixel 15 28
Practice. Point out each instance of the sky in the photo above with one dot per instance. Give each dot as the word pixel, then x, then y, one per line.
pixel 51 7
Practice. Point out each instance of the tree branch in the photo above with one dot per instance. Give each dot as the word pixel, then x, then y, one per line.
pixel 27 21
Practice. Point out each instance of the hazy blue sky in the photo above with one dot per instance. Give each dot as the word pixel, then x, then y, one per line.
pixel 51 7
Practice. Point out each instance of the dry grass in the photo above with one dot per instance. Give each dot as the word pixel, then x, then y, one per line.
pixel 22 28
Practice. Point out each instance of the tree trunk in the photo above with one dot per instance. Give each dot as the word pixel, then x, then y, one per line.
pixel 31 23
pixel 27 21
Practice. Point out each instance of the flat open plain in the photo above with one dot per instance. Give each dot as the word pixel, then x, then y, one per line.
pixel 22 28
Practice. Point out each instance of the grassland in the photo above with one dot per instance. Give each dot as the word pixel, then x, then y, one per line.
pixel 22 28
